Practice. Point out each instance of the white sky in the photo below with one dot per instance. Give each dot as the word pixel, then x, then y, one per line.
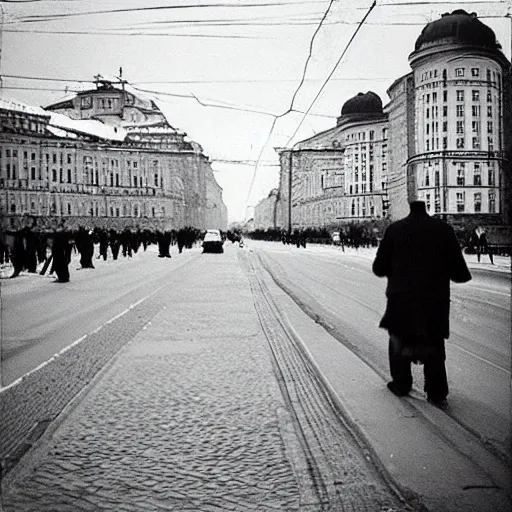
pixel 243 54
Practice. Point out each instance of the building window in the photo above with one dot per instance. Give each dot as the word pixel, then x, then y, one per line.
pixel 372 134
pixel 477 201
pixel 427 202
pixel 490 144
pixel 460 110
pixel 459 71
pixel 475 95
pixel 70 159
pixel 445 96
pixel 33 157
pixel 427 129
pixel 489 126
pixel 427 113
pixel 445 111
pixel 460 95
pixel 475 72
pixel 427 177
pixel 69 208
pixel 460 202
pixel 117 179
pixel 69 175
pixel 427 98
pixel 33 173
pixel 445 142
pixel 477 175
pixel 427 145
pixel 492 201
pixel 489 96
pixel 475 126
pixel 461 175
pixel 54 175
pixel 489 111
pixel 491 181
pixel 476 142
pixel 434 97
pixel 475 110
pixel 445 126
pixel 384 133
pixel 460 127
pixel 135 181
pixel 156 180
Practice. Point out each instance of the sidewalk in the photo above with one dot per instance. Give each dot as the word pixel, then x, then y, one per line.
pixel 501 263
pixel 188 417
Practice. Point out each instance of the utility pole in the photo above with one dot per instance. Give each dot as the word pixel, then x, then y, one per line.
pixel 290 174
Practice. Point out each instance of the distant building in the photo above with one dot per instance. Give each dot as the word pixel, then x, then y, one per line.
pixel 340 174
pixel 265 212
pixel 104 158
pixel 442 138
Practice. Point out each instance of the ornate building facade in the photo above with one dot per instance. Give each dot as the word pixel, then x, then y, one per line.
pixel 103 159
pixel 459 75
pixel 442 138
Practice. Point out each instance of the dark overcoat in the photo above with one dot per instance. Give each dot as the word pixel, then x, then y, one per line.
pixel 419 255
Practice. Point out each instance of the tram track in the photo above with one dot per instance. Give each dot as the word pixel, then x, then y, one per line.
pixel 342 469
pixel 477 447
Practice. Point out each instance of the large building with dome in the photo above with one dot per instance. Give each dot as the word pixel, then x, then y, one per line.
pixel 103 158
pixel 443 137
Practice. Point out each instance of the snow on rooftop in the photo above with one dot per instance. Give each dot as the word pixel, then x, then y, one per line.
pixel 61 133
pixel 18 106
pixel 88 127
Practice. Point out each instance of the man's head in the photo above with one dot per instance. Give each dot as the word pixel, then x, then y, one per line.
pixel 418 207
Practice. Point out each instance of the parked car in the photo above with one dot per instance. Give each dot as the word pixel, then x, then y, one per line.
pixel 212 241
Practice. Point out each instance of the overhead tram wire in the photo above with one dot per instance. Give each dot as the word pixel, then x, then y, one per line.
pixel 361 23
pixel 184 82
pixel 60 16
pixel 311 43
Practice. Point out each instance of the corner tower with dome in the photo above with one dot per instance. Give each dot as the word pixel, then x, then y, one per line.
pixel 338 175
pixel 456 162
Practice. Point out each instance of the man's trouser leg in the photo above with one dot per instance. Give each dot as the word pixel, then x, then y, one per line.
pixel 399 365
pixel 434 369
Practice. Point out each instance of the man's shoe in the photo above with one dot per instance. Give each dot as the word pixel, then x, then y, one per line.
pixel 396 390
pixel 440 403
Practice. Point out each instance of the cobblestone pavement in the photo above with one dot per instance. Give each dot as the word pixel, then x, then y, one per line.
pixel 190 416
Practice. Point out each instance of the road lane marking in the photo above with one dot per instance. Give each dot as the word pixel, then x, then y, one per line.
pixel 76 342
pixel 506 370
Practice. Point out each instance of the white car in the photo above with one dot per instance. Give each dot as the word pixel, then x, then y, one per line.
pixel 212 241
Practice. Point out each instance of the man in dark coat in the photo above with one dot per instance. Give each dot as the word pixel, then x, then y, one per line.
pixel 419 255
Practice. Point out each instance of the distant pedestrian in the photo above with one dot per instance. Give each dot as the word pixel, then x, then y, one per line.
pixel 61 254
pixel 480 244
pixel 419 255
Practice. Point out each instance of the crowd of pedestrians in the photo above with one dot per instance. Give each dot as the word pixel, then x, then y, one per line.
pixel 28 247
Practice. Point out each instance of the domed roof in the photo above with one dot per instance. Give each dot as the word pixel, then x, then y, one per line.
pixel 457 27
pixel 368 103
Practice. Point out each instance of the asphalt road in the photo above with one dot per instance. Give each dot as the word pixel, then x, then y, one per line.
pixel 41 317
pixel 340 288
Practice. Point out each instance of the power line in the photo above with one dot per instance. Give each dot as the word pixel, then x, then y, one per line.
pixel 160 8
pixel 361 23
pixel 186 82
pixel 129 34
pixel 311 43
